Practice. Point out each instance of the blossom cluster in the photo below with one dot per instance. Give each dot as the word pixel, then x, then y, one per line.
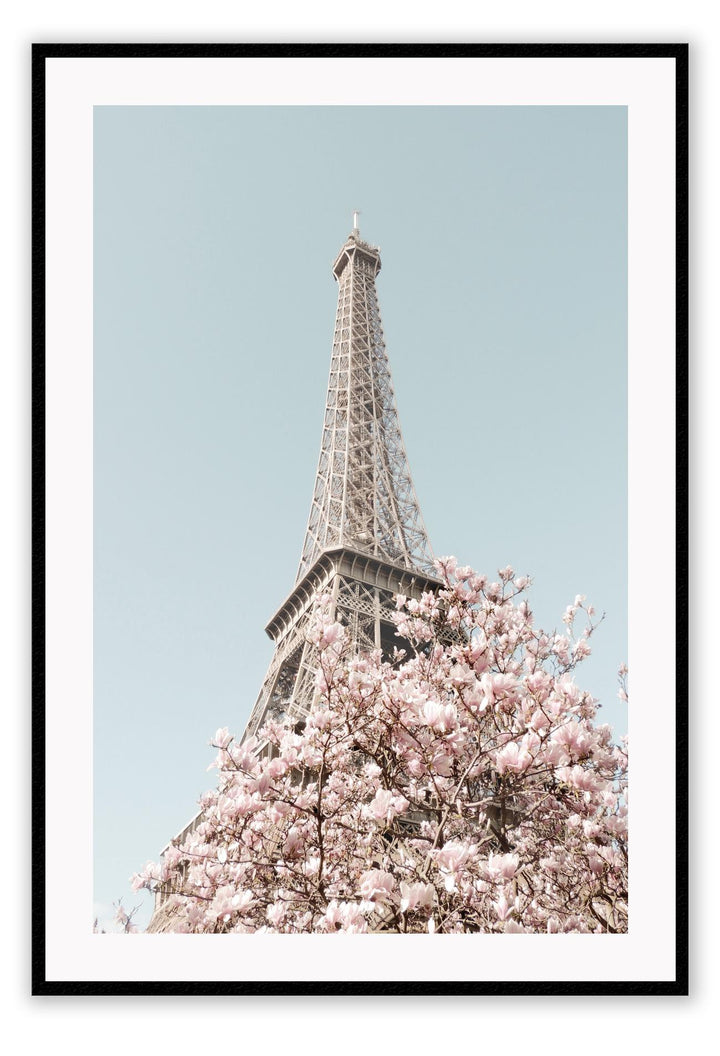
pixel 467 788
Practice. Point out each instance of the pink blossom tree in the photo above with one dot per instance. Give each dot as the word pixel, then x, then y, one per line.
pixel 463 788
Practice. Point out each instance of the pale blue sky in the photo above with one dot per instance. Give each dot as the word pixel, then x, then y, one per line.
pixel 503 292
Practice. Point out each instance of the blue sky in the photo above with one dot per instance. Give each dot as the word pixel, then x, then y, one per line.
pixel 503 235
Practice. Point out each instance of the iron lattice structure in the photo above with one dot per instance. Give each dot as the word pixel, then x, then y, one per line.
pixel 364 496
pixel 365 539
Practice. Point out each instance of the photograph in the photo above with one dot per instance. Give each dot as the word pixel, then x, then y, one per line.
pixel 366 477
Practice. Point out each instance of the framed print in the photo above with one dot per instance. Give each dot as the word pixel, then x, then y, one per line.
pixel 422 765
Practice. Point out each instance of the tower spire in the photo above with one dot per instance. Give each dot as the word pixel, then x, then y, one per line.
pixel 364 496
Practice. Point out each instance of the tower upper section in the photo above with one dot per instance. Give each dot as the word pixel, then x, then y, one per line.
pixel 364 497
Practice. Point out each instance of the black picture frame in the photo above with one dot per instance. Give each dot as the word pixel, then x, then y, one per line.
pixel 42 53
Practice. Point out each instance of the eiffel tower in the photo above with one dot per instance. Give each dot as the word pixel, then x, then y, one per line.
pixel 365 539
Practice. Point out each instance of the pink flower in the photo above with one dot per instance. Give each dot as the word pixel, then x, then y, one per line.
pixel 385 805
pixel 446 566
pixel 539 720
pixel 498 686
pixel 596 865
pixel 333 916
pixel 442 764
pixel 278 811
pixel 553 754
pixel 376 885
pixel 242 900
pixel 502 866
pixel 503 908
pixel 453 856
pixel 416 896
pixel 332 634
pixel 276 767
pixel 583 779
pixel 294 844
pixel 441 717
pixel 222 738
pixel 573 737
pixel 228 901
pixel 321 719
pixel 380 806
pixel 512 758
pixel 275 913
pixel 172 855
